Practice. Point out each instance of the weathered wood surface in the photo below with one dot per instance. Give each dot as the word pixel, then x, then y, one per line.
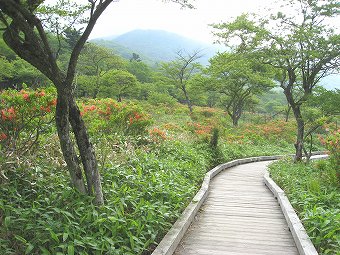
pixel 239 217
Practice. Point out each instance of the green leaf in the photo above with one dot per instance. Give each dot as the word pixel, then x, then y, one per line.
pixel 20 238
pixel 65 236
pixel 70 250
pixel 29 248
pixel 44 251
pixel 54 236
pixel 7 221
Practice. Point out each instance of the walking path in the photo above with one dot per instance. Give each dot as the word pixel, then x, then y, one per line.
pixel 239 217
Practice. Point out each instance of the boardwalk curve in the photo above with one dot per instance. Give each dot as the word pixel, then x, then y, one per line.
pixel 242 203
pixel 239 216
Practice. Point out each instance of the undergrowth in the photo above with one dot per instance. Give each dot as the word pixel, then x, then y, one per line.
pixel 313 191
pixel 41 214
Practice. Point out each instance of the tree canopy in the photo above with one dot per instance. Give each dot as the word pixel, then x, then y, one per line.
pixel 300 43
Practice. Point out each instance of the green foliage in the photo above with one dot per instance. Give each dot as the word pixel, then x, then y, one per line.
pixel 300 44
pixel 96 60
pixel 332 143
pixel 156 98
pixel 325 100
pixel 141 70
pixel 118 83
pixel 312 190
pixel 7 69
pixel 152 160
pixel 181 70
pixel 87 85
pixel 17 71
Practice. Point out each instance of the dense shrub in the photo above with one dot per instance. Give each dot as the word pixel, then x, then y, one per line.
pixel 157 98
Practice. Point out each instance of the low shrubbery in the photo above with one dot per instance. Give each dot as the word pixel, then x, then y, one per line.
pixel 313 190
pixel 41 214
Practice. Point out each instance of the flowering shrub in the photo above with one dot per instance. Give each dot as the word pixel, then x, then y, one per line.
pixel 157 135
pixel 200 129
pixel 332 143
pixel 24 115
pixel 270 131
pixel 107 116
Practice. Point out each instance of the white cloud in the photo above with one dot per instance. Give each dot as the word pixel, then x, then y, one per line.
pixel 126 15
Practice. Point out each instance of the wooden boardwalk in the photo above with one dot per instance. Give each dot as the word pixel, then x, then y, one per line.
pixel 239 217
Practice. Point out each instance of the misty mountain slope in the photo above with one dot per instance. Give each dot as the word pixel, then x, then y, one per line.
pixel 156 45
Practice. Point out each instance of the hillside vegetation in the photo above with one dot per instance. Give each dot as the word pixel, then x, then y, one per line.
pixel 100 154
pixel 152 159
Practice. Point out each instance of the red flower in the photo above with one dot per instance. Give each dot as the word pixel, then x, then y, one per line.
pixel 11 110
pixel 137 116
pixel 3 136
pixel 3 115
pixel 26 97
pixel 9 115
pixel 53 102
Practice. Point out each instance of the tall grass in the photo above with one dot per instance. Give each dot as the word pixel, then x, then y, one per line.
pixel 313 191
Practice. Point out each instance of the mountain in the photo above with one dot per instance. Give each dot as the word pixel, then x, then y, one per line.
pixel 154 46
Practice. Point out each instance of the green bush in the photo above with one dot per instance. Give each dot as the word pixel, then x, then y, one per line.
pixel 312 190
pixel 157 98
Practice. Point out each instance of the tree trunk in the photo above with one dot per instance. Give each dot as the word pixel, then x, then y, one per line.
pixel 235 120
pixel 187 99
pixel 87 153
pixel 287 111
pixel 236 115
pixel 67 146
pixel 300 133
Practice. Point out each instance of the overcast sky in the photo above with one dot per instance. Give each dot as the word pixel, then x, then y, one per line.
pixel 126 15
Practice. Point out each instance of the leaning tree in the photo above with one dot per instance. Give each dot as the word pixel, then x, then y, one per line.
pixel 300 43
pixel 26 31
